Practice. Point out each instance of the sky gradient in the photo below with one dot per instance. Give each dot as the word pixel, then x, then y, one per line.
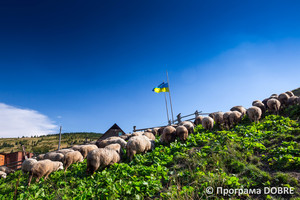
pixel 88 65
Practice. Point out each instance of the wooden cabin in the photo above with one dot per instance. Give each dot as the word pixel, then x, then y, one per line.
pixel 115 130
pixel 11 159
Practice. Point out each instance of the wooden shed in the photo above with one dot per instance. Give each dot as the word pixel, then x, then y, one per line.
pixel 12 159
pixel 115 130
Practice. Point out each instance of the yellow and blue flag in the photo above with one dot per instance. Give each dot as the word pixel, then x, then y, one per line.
pixel 164 87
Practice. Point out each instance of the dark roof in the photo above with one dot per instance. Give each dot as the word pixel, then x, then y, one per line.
pixel 112 129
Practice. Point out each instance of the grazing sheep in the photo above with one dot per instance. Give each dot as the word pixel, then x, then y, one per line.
pixel 265 102
pixel 188 125
pixel 274 105
pixel 28 164
pixel 274 96
pixel 101 157
pixel 198 120
pixel 44 168
pixel 161 130
pixel 85 149
pixel 283 98
pixel 262 108
pixel 254 113
pixel 292 100
pixel 240 109
pixel 115 147
pixel 72 157
pixel 7 170
pixel 54 156
pixel 76 147
pixel 290 93
pixel 208 123
pixel 112 140
pixel 212 115
pixel 138 144
pixel 256 101
pixel 235 117
pixel 64 151
pixel 155 131
pixel 124 137
pixel 168 135
pixel 219 118
pixel 149 135
pixel 226 119
pixel 3 174
pixel 182 133
pixel 40 157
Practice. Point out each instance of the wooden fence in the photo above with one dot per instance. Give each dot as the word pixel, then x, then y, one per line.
pixel 14 165
pixel 176 121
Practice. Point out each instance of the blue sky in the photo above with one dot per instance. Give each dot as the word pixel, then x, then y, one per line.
pixel 88 65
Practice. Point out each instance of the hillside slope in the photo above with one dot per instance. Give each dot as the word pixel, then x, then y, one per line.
pixel 249 156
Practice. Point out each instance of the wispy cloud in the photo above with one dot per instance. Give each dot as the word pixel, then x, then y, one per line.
pixel 17 122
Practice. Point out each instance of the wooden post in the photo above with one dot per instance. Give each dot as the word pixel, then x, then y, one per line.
pixel 59 138
pixel 179 118
pixel 196 114
pixel 134 128
pixel 24 152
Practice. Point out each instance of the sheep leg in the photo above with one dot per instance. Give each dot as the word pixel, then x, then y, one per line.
pixel 30 178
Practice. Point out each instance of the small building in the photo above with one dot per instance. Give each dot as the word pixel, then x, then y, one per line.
pixel 12 159
pixel 115 130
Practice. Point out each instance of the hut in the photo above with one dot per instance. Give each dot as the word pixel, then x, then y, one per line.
pixel 115 130
pixel 13 160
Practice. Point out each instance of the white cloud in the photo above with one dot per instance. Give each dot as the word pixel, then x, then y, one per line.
pixel 17 122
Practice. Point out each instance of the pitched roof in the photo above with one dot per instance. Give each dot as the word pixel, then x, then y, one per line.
pixel 114 127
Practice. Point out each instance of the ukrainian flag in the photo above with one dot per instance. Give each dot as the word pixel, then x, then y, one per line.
pixel 164 87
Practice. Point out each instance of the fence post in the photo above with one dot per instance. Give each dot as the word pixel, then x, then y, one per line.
pixel 196 114
pixel 179 118
pixel 24 152
pixel 134 128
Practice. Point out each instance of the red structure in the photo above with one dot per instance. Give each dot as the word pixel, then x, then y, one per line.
pixel 12 159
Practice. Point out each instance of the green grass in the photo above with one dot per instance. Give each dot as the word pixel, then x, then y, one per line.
pixel 266 154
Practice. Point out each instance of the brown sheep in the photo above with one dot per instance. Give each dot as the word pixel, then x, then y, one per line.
pixel 182 133
pixel 40 157
pixel 155 131
pixel 240 109
pixel 160 130
pixel 54 156
pixel 292 100
pixel 208 123
pixel 262 108
pixel 283 98
pixel 85 149
pixel 254 113
pixel 274 105
pixel 168 135
pixel 7 170
pixel 101 157
pixel 138 144
pixel 72 157
pixel 198 120
pixel 290 93
pixel 44 168
pixel 149 135
pixel 188 125
pixel 64 151
pixel 226 119
pixel 112 140
pixel 274 96
pixel 235 117
pixel 115 147
pixel 219 118
pixel 256 101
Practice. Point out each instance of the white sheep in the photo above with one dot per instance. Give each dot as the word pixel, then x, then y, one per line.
pixel 85 149
pixel 72 157
pixel 112 140
pixel 274 105
pixel 138 144
pixel 28 164
pixel 235 117
pixel 254 113
pixel 7 170
pixel 207 123
pixel 262 108
pixel 3 174
pixel 240 109
pixel 54 156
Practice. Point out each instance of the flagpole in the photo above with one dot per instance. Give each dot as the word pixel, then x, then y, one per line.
pixel 170 97
pixel 167 107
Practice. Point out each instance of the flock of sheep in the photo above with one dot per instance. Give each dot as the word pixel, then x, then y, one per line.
pixel 106 152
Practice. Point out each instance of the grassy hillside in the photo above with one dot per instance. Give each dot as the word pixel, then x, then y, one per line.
pixel 249 156
pixel 46 143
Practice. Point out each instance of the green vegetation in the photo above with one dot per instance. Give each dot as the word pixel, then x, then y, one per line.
pixel 249 156
pixel 45 143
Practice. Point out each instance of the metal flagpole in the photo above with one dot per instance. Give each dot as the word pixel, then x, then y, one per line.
pixel 170 98
pixel 167 108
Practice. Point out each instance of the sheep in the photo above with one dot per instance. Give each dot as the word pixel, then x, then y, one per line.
pixel 290 93
pixel 149 135
pixel 115 147
pixel 188 125
pixel 240 109
pixel 298 100
pixel 168 135
pixel 208 123
pixel 292 100
pixel 7 170
pixel 28 164
pixel 226 119
pixel 155 131
pixel 112 140
pixel 219 118
pixel 54 156
pixel 182 133
pixel 101 157
pixel 3 174
pixel 274 105
pixel 40 157
pixel 256 101
pixel 265 102
pixel 198 120
pixel 85 149
pixel 161 130
pixel 274 96
pixel 212 115
pixel 139 144
pixel 44 168
pixel 124 137
pixel 76 147
pixel 283 98
pixel 254 113
pixel 64 151
pixel 235 117
pixel 72 157
pixel 262 108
